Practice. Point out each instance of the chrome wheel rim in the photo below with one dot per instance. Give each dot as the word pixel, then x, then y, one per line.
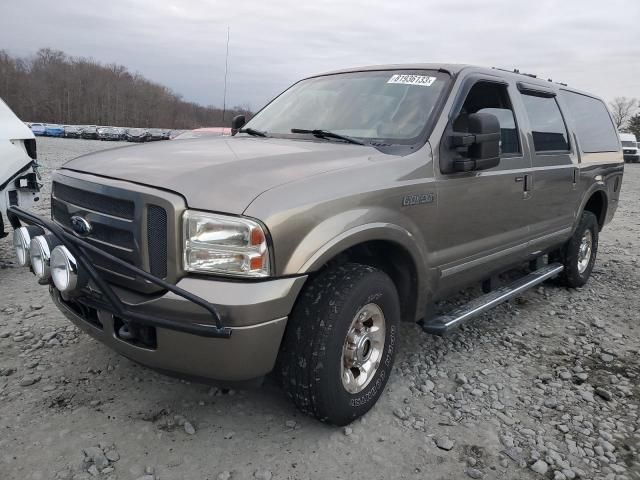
pixel 584 251
pixel 363 347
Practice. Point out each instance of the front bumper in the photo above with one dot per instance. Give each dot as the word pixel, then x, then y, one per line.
pixel 200 327
pixel 629 157
pixel 256 313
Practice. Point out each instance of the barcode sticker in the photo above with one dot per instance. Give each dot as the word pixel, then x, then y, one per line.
pixel 421 80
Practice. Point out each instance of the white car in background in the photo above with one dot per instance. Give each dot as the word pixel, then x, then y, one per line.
pixel 19 178
pixel 630 149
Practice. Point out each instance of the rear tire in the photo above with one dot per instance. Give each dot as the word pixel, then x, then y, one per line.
pixel 579 253
pixel 340 343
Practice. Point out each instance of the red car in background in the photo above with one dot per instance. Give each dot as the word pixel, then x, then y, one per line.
pixel 204 132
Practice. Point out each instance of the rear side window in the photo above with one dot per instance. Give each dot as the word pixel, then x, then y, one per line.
pixel 547 125
pixel 594 128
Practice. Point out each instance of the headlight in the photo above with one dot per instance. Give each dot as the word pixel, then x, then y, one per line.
pixel 22 240
pixel 224 244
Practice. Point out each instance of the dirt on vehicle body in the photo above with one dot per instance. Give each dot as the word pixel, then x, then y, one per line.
pixel 354 200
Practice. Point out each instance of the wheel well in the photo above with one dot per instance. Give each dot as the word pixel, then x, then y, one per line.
pixel 597 204
pixel 392 259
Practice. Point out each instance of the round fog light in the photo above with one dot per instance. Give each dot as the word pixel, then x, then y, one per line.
pixel 39 252
pixel 21 241
pixel 64 269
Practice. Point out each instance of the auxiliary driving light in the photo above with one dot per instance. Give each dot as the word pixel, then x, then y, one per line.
pixel 64 270
pixel 21 241
pixel 40 253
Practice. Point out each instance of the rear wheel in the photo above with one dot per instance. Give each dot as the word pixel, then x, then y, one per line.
pixel 340 343
pixel 579 254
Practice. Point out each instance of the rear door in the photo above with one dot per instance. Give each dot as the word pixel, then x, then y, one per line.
pixel 554 175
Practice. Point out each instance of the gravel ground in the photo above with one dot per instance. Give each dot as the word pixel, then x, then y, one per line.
pixel 543 387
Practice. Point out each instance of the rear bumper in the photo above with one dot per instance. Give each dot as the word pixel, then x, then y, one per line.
pixel 257 312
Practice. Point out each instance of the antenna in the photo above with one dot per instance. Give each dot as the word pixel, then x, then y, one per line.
pixel 226 69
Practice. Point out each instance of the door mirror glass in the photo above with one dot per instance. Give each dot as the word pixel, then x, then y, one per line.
pixel 479 144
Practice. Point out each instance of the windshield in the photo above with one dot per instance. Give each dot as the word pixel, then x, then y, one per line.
pixel 626 143
pixel 391 107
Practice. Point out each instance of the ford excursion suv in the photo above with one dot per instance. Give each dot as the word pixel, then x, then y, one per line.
pixel 351 202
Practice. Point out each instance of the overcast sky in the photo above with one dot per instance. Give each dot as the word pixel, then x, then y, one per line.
pixel 592 45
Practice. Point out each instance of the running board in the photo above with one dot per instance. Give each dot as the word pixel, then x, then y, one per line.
pixel 441 324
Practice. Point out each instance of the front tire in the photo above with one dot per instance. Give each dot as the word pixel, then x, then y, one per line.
pixel 340 343
pixel 579 254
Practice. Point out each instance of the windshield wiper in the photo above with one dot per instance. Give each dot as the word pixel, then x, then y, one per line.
pixel 252 131
pixel 327 134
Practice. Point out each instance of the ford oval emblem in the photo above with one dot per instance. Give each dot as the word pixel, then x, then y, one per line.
pixel 80 226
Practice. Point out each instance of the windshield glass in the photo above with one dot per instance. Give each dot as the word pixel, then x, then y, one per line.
pixel 382 106
pixel 626 143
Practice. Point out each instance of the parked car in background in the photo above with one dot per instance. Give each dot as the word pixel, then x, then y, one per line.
pixel 90 132
pixel 204 132
pixel 18 165
pixel 37 129
pixel 630 147
pixel 53 130
pixel 166 134
pixel 111 133
pixel 137 135
pixel 155 134
pixel 72 131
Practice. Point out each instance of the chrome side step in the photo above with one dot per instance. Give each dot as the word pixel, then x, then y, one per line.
pixel 441 324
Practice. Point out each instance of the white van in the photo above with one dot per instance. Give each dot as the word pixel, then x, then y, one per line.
pixel 630 147
pixel 19 178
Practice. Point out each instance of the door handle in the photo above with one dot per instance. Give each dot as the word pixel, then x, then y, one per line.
pixel 519 179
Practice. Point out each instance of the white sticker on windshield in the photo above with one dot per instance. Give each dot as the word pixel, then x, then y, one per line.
pixel 421 80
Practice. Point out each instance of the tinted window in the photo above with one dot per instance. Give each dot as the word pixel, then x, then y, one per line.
pixel 594 128
pixel 488 97
pixel 547 125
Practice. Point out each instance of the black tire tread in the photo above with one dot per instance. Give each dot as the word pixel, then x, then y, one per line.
pixel 309 328
pixel 570 276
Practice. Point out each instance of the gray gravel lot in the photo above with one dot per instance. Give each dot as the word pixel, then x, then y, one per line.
pixel 546 386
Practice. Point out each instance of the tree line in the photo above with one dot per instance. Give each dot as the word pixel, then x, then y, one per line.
pixel 53 87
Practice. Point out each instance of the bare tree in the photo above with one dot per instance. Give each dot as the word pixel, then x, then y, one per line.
pixel 52 87
pixel 622 109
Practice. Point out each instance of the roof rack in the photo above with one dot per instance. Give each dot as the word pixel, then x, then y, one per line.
pixel 531 75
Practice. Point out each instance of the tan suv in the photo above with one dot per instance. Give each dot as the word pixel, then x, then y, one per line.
pixel 353 201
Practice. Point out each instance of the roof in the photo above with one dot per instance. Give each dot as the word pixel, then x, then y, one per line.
pixel 456 68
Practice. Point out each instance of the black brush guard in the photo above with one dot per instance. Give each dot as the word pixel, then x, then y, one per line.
pixel 79 249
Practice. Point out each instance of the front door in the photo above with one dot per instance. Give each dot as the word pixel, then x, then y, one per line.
pixel 482 216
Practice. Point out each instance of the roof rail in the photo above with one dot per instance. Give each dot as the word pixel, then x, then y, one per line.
pixel 531 75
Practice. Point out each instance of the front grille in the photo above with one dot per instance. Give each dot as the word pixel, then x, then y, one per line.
pixel 157 240
pixel 94 201
pixel 117 218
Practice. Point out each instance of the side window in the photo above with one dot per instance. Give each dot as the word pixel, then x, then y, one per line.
pixel 547 125
pixel 593 125
pixel 488 97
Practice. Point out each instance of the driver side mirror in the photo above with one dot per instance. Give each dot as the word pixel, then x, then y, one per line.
pixel 237 123
pixel 482 143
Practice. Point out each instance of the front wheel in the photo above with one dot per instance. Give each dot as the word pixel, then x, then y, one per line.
pixel 579 254
pixel 340 343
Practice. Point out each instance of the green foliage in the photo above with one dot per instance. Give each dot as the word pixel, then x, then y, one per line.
pixel 634 125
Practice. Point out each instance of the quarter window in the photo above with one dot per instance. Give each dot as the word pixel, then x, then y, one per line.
pixel 593 124
pixel 547 125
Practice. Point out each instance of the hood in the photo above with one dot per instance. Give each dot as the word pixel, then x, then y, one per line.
pixel 222 174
